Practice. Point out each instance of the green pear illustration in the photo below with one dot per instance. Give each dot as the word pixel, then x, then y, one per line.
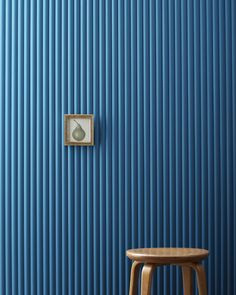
pixel 78 133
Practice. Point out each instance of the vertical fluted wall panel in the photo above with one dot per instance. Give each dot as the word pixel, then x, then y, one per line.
pixel 160 78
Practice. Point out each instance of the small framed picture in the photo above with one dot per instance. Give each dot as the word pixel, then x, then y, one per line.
pixel 79 129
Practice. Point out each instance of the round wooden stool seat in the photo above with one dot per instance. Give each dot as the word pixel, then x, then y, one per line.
pixel 188 258
pixel 167 255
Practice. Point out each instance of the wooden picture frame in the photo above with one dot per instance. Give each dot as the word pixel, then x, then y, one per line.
pixel 79 129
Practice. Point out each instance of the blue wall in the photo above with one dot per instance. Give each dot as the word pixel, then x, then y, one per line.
pixel 160 77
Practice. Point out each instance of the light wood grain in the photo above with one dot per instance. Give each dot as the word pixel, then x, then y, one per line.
pixel 133 288
pixel 147 278
pixel 167 255
pixel 201 278
pixel 187 258
pixel 187 280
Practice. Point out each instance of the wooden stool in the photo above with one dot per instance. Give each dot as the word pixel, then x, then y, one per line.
pixel 188 258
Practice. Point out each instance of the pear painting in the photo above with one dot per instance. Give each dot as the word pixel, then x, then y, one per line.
pixel 78 133
pixel 78 129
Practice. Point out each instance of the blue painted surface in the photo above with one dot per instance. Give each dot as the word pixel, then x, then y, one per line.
pixel 160 77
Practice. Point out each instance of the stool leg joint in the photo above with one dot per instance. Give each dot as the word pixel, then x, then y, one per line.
pixel 201 277
pixel 133 289
pixel 187 274
pixel 147 278
pixel 147 272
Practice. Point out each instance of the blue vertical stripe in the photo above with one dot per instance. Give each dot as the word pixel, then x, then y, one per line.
pixel 233 26
pixel 2 149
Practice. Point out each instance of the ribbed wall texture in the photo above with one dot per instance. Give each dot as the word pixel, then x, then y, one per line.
pixel 160 78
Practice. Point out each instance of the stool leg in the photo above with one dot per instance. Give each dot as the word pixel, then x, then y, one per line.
pixel 147 278
pixel 133 288
pixel 201 279
pixel 187 280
